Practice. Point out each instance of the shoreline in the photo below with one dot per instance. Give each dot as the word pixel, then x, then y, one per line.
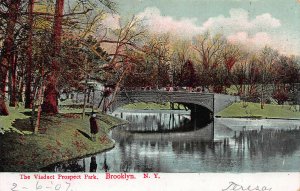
pixel 65 139
pixel 256 118
pixel 91 154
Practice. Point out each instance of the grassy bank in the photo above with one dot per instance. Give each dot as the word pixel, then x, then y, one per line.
pixel 253 110
pixel 63 137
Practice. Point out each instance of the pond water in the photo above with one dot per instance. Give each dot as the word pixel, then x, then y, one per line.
pixel 167 141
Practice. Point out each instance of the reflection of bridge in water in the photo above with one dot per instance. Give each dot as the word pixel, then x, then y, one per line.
pixel 203 134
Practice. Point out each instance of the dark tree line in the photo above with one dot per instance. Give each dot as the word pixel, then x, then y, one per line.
pixel 37 41
pixel 211 62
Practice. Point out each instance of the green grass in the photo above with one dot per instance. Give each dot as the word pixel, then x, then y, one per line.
pixel 62 139
pixel 232 90
pixel 7 121
pixel 150 106
pixel 253 110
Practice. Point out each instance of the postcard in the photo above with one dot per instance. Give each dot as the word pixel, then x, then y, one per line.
pixel 150 95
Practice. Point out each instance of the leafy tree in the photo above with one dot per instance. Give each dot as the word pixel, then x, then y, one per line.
pixel 8 56
pixel 189 76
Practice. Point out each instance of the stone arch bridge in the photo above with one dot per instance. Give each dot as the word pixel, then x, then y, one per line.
pixel 202 99
pixel 210 102
pixel 203 106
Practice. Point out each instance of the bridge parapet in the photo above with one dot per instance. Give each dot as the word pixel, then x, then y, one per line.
pixel 204 99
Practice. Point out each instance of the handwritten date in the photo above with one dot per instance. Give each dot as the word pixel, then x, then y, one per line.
pixel 43 187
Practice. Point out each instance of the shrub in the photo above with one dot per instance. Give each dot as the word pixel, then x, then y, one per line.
pixel 280 96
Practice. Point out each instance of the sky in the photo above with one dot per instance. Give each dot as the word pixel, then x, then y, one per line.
pixel 255 23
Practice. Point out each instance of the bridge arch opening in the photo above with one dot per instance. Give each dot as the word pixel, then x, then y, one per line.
pixel 200 115
pixel 201 105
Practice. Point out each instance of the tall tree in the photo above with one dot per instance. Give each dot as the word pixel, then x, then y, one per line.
pixel 231 55
pixel 28 97
pixel 268 58
pixel 72 20
pixel 180 54
pixel 158 55
pixel 8 57
pixel 209 49
pixel 189 76
pixel 50 104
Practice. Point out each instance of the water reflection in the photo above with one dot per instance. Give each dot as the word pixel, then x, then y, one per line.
pixel 93 164
pixel 105 166
pixel 224 146
pixel 268 143
pixel 69 166
pixel 158 122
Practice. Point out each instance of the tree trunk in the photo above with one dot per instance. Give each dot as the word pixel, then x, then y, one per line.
pixel 262 97
pixel 39 112
pixel 100 101
pixel 13 80
pixel 3 75
pixel 20 90
pixel 13 10
pixel 28 97
pixel 88 96
pixel 37 101
pixel 106 106
pixel 50 104
pixel 262 104
pixel 93 100
pixel 3 108
pixel 84 98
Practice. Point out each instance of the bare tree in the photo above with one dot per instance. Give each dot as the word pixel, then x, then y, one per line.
pixel 121 41
pixel 209 49
pixel 182 51
pixel 158 55
pixel 267 57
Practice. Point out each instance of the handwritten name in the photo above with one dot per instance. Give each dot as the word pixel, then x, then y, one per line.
pixel 237 187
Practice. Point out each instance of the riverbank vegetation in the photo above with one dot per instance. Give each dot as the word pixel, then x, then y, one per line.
pixel 253 110
pixel 62 137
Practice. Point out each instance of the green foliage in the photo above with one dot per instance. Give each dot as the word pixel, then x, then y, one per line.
pixel 253 110
pixel 7 121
